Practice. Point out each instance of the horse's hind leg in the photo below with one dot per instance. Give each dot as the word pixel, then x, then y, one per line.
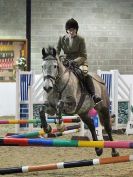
pixel 89 122
pixel 105 116
pixel 46 127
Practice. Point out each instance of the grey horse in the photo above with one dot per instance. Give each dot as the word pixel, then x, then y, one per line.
pixel 64 94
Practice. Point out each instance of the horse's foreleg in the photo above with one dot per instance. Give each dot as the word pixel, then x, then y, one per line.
pixel 46 127
pixel 60 125
pixel 59 107
pixel 104 114
pixel 90 123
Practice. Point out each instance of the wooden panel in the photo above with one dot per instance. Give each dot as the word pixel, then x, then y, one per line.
pixel 10 51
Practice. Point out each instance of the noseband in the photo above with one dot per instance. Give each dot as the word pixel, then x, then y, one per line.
pixel 49 77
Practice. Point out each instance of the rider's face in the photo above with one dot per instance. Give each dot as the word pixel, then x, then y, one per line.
pixel 72 32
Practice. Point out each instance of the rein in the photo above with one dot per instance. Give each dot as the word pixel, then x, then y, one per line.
pixel 60 91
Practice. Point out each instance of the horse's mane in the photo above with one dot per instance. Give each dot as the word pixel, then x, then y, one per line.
pixel 50 50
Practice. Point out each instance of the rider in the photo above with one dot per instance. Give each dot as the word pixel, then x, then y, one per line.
pixel 74 49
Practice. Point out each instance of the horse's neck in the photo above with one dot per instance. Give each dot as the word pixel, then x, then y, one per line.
pixel 67 80
pixel 63 74
pixel 62 68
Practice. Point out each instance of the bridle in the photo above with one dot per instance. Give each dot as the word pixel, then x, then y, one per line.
pixel 49 76
pixel 57 77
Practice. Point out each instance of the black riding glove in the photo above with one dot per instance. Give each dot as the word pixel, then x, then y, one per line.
pixel 72 63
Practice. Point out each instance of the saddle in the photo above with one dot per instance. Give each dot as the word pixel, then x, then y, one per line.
pixel 97 78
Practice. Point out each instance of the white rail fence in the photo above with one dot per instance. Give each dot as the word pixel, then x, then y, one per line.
pixel 30 96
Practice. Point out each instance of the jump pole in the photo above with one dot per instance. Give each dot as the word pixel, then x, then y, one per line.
pixel 41 133
pixel 62 165
pixel 55 131
pixel 32 121
pixel 64 143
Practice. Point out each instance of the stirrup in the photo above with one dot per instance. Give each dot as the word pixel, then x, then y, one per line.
pixel 98 102
pixel 96 99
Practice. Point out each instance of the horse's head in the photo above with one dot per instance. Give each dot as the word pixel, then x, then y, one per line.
pixel 49 68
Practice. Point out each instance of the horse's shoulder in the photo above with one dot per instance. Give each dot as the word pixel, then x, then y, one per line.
pixel 96 77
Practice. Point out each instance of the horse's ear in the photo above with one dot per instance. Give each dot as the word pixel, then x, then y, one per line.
pixel 44 54
pixel 54 52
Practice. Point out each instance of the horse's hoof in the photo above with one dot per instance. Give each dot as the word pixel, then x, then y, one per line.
pixel 48 129
pixel 115 154
pixel 99 151
pixel 51 135
pixel 60 127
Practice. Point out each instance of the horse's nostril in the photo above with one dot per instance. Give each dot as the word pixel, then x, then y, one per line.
pixel 47 89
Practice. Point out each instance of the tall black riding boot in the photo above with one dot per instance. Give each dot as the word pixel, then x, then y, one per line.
pixel 91 90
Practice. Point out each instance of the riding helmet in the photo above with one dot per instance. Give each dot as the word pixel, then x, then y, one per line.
pixel 71 23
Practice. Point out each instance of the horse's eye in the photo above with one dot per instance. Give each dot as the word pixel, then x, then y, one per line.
pixel 55 66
